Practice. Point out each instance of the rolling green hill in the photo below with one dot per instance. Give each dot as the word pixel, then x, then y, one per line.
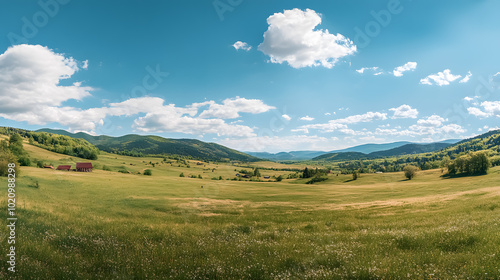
pixel 486 141
pixel 138 145
pixel 61 144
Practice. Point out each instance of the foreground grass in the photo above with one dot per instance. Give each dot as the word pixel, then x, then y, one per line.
pixel 108 225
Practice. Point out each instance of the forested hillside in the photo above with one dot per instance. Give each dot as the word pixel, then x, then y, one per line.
pixel 56 143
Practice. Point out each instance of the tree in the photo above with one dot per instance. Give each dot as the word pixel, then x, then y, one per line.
pixel 40 164
pixel 279 178
pixel 181 175
pixel 148 172
pixel 355 175
pixel 410 171
pixel 306 173
pixel 256 172
pixel 479 163
pixel 6 158
pixel 444 163
pixel 476 163
pixel 15 140
pixel 24 161
pixel 16 145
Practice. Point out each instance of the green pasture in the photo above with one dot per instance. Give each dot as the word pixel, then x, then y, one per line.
pixel 113 225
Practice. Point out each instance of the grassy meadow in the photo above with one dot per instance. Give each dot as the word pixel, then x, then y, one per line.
pixel 114 225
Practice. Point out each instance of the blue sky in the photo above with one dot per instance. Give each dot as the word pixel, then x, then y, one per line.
pixel 293 82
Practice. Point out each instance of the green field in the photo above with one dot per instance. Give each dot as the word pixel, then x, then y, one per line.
pixel 112 225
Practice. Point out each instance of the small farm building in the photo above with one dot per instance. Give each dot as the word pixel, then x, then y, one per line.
pixel 84 167
pixel 64 167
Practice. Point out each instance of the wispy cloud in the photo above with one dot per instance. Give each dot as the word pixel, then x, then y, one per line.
pixel 307 118
pixel 466 78
pixel 374 70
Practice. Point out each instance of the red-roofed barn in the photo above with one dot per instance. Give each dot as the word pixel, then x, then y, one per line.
pixel 64 167
pixel 84 166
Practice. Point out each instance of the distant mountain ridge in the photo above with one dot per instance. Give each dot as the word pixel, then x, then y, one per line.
pixel 411 149
pixel 489 141
pixel 136 145
pixel 364 149
pixel 294 155
pixel 407 149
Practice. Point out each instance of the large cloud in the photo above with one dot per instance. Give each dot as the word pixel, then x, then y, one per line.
pixel 30 91
pixel 30 76
pixel 292 38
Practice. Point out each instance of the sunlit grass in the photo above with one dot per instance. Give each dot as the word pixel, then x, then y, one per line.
pixel 111 225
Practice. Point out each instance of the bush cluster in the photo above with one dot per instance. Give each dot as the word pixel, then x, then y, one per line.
pixel 473 163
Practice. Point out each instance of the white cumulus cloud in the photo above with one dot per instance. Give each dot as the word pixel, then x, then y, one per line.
pixel 30 76
pixel 367 117
pixel 341 124
pixel 232 107
pixel 432 121
pixel 409 66
pixel 490 109
pixel 436 125
pixel 404 112
pixel 30 88
pixel 239 45
pixel 286 117
pixel 441 78
pixel 291 37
